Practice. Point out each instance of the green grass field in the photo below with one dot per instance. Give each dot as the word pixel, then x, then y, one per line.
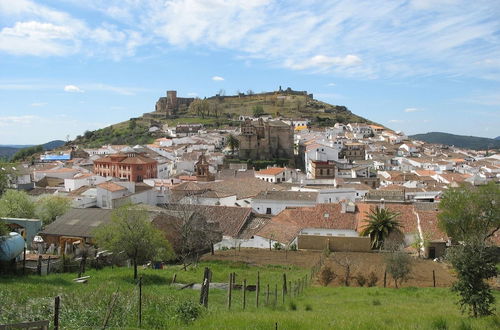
pixel 85 305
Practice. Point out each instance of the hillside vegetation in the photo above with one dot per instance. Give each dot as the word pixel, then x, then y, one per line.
pixel 222 111
pixel 461 141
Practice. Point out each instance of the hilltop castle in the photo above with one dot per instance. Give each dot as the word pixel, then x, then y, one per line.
pixel 171 104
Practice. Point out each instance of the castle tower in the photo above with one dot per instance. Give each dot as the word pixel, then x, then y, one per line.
pixel 172 99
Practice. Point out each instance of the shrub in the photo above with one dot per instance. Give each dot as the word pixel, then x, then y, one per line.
pixel 439 324
pixel 326 252
pixel 292 305
pixel 293 247
pixel 326 276
pixel 277 246
pixel 360 279
pixel 308 307
pixel 398 265
pixel 3 229
pixel 372 279
pixel 187 311
pixel 376 302
pixel 224 248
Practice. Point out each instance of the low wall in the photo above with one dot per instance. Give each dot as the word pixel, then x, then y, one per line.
pixel 334 243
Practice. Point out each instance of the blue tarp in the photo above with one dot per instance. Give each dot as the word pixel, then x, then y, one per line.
pixel 55 157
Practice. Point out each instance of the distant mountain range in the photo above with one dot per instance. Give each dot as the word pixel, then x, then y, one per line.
pixel 8 150
pixel 461 141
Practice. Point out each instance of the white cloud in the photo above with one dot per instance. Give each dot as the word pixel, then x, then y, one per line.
pixel 393 38
pixel 37 38
pixel 323 62
pixel 17 120
pixel 38 104
pixel 72 89
pixel 217 78
pixel 396 121
pixel 331 84
pixel 192 94
pixel 413 110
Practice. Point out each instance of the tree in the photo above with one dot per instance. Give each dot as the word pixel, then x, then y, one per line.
pixel 258 110
pixel 131 232
pixel 233 143
pixel 398 265
pixel 16 204
pixel 4 177
pixel 49 207
pixel 420 242
pixel 474 262
pixel 471 216
pixel 4 230
pixel 381 223
pixel 469 212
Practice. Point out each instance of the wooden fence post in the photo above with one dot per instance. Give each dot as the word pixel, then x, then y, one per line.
pixel 24 260
pixel 48 266
pixel 174 278
pixel 57 302
pixel 267 295
pixel 283 294
pixel 230 291
pixel 434 278
pixel 385 278
pixel 205 288
pixel 257 290
pixel 284 283
pixel 275 294
pixel 244 293
pixel 39 265
pixel 140 301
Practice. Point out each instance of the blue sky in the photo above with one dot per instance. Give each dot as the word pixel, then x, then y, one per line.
pixel 67 66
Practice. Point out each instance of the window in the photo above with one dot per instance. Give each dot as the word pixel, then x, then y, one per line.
pixel 268 210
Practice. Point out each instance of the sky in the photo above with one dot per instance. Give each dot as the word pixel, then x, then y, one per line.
pixel 67 66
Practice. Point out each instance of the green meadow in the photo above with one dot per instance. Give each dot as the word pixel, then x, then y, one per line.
pixel 87 305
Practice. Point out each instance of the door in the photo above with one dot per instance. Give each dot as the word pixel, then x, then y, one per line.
pixel 432 252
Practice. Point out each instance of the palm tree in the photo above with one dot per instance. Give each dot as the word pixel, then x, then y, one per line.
pixel 232 143
pixel 381 222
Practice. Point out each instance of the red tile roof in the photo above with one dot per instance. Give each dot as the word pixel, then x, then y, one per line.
pixel 271 171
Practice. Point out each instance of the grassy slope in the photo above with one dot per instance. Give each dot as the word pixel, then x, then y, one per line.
pixel 297 106
pixel 31 298
pixel 462 141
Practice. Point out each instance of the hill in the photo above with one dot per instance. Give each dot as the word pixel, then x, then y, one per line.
pixel 223 111
pixel 18 152
pixel 462 141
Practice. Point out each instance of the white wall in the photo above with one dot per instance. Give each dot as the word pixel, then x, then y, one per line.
pixel 261 206
pixel 329 232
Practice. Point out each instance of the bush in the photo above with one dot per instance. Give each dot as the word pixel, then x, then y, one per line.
pixel 292 305
pixel 3 229
pixel 293 247
pixel 277 246
pixel 224 248
pixel 376 302
pixel 372 279
pixel 308 307
pixel 326 276
pixel 439 324
pixel 187 311
pixel 360 279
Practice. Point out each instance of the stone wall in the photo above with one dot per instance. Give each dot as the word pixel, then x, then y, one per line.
pixel 334 243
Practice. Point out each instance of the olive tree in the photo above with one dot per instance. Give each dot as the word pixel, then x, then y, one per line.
pixel 49 207
pixel 471 216
pixel 16 204
pixel 398 265
pixel 130 232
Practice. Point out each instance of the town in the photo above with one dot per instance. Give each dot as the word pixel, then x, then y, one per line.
pixel 263 183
